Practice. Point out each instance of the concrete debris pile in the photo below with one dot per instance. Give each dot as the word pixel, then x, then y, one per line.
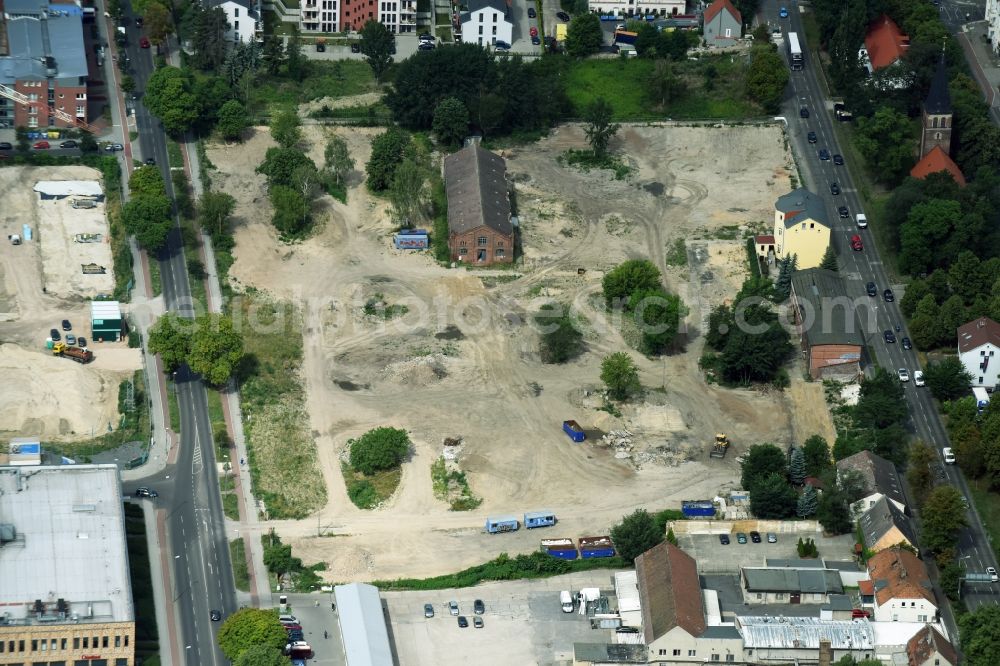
pixel 620 441
pixel 452 447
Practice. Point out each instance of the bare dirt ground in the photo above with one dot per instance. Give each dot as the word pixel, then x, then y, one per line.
pixel 464 361
pixel 41 395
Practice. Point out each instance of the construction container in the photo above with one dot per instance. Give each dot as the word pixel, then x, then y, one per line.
pixel 599 546
pixel 539 519
pixel 698 508
pixel 497 524
pixel 574 430
pixel 564 549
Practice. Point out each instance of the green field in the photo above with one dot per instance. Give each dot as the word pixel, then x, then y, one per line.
pixel 337 78
pixel 625 84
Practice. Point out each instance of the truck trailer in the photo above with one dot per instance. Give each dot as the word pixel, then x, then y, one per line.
pixel 539 519
pixel 564 549
pixel 75 353
pixel 599 546
pixel 698 508
pixel 498 524
pixel 574 430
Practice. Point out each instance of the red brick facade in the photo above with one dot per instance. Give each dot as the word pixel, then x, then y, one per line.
pixel 482 246
pixel 70 99
pixel 355 13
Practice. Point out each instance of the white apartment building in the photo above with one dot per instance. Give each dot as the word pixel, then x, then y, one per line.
pixel 979 351
pixel 244 19
pixel 638 7
pixel 486 23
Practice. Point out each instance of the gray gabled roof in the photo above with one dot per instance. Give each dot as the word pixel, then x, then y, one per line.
pixel 363 625
pixel 801 205
pixel 40 48
pixel 476 183
pixel 878 520
pixel 826 312
pixel 809 581
pixel 938 98
pixel 879 475
pixel 476 5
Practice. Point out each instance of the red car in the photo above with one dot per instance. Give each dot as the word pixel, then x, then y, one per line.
pixel 41 145
pixel 534 31
pixel 857 613
pixel 144 42
pixel 856 243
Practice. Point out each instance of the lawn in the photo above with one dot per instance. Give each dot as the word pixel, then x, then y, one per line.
pixel 988 506
pixel 237 555
pixel 624 83
pixel 337 78
pixel 367 492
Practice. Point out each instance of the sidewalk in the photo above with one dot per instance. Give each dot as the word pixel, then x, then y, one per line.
pixel 983 62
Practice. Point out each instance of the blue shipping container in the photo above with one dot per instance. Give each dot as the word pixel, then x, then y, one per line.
pixel 502 524
pixel 562 553
pixel 575 432
pixel 698 508
pixel 539 519
pixel 591 547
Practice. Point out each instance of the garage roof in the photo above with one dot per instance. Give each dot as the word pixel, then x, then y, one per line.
pixel 105 310
pixel 362 625
pixel 809 581
pixel 825 312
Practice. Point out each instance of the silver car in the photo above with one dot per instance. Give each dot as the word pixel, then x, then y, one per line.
pixel 428 610
pixel 453 607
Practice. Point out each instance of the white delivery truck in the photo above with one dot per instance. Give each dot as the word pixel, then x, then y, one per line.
pixel 566 599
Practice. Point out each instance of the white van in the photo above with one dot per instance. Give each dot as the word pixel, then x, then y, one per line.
pixel 566 599
pixel 949 455
pixel 862 220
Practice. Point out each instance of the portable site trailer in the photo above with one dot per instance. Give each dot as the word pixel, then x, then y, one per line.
pixel 539 519
pixel 497 524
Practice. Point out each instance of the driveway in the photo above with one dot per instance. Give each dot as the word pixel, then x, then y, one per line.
pixel 713 557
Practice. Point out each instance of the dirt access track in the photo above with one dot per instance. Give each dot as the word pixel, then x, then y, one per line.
pixel 464 361
pixel 41 284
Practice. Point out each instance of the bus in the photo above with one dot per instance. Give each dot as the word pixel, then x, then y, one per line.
pixel 794 52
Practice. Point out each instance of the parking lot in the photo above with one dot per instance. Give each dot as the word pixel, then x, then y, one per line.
pixel 523 623
pixel 713 557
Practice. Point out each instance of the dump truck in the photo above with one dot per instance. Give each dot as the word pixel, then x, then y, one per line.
pixel 75 353
pixel 720 447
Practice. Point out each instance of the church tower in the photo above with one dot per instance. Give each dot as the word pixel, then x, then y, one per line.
pixel 937 114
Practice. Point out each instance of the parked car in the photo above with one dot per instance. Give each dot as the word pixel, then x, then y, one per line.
pixel 834 189
pixel 906 343
pixel 453 607
pixel 54 334
pixel 887 295
pixel 477 622
pixel 843 212
pixel 320 47
pixel 66 325
pixel 741 537
pixel 143 491
pixel 462 622
pixel 824 154
pixel 70 143
pixel 288 619
pixel 478 607
pixel 144 42
pixel 562 16
pixel 138 21
pixel 811 137
pixel 803 112
pixel 856 243
pixel 114 147
pixel 755 536
pixel 426 37
pixel 531 12
pixel 428 610
pixel 6 145
pixel 215 615
pixel 903 374
pixel 948 455
pixel 501 45
pixel 533 31
pixel 70 339
pixel 858 613
pixel 888 336
pixel 535 40
pixel 425 46
pixel 296 635
pixel 81 342
pixel 918 377
pixel 772 537
pixel 41 145
pixel 838 160
pixel 724 539
pixel 871 289
pixel 151 161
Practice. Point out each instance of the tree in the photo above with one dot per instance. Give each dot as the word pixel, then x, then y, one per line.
pixel 918 471
pixel 307 181
pixel 783 285
pixel 148 219
pixel 280 164
pixel 146 181
pixel 808 503
pixel 664 84
pixel 168 96
pixel 242 64
pixel 128 83
pixel 233 121
pixel 337 158
pixel 216 348
pixel 209 39
pixel 285 129
pixel 948 379
pixel 599 129
pixel 886 142
pixel 451 121
pixel 761 461
pixel 773 498
pixel 942 518
pixel 250 627
pixel 620 374
pixel 797 467
pixel 767 77
pixel 756 348
pixel 296 65
pixel 561 338
pixel 817 456
pixel 170 337
pixel 636 534
pixel 377 46
pixel 671 537
pixel 388 150
pixel 408 194
pixel 980 631
pixel 829 261
pixel 158 23
pixel 584 36
pixel 628 278
pixel 291 211
pixel 273 54
pixel 214 209
pixel 834 511
pixel 657 315
pixel 262 655
pixel 379 449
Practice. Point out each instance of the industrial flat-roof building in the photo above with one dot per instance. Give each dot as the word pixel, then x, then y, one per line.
pixel 65 593
pixel 362 625
pixel 106 323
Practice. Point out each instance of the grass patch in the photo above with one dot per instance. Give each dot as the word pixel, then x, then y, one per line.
pixel 282 454
pixel 490 281
pixel 504 567
pixel 230 506
pixel 174 157
pixel 377 307
pixel 121 253
pixel 988 507
pixel 147 640
pixel 175 411
pixel 452 487
pixel 371 115
pixel 133 426
pixel 624 84
pixel 677 254
pixel 155 280
pixel 585 160
pixel 238 556
pixel 220 433
pixel 337 78
pixel 368 491
pixel 195 266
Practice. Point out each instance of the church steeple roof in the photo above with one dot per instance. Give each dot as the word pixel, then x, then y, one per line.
pixel 939 99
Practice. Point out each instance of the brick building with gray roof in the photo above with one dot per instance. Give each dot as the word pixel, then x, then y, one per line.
pixel 480 231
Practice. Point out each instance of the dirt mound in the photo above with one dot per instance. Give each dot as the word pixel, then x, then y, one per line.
pixel 416 372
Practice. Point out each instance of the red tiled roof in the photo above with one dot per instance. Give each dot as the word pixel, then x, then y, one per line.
pixel 899 574
pixel 669 592
pixel 977 333
pixel 713 10
pixel 885 43
pixel 925 643
pixel 764 240
pixel 866 587
pixel 933 162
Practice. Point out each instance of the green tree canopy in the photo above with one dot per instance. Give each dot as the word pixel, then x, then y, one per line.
pixel 262 655
pixel 561 338
pixel 148 219
pixel 377 46
pixel 168 97
pixel 760 462
pixel 980 631
pixel 451 121
pixel 919 476
pixel 280 164
pixel 291 210
pixel 620 374
pixel 766 77
pixel 408 194
pixel 808 503
pixel 773 498
pixel 379 449
pixel 170 337
pixel 337 160
pixel 233 121
pixel 600 130
pixel 636 534
pixel 797 467
pixel 658 316
pixel 216 348
pixel 157 22
pixel 286 129
pixel 886 142
pixel 146 181
pixel 251 627
pixel 584 36
pixel 630 277
pixel 948 379
pixel 388 150
pixel 817 455
pixel 214 209
pixel 209 39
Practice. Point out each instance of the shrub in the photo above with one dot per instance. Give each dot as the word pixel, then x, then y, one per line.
pixel 378 449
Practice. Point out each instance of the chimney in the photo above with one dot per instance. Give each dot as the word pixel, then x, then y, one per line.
pixel 825 652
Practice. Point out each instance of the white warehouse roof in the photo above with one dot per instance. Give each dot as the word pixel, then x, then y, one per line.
pixel 805 633
pixel 67 532
pixel 105 310
pixel 362 625
pixel 66 188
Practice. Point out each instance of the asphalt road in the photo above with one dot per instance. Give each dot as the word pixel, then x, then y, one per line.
pixel 858 268
pixel 201 572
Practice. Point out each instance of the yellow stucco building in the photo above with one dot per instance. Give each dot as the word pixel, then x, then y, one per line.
pixel 801 228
